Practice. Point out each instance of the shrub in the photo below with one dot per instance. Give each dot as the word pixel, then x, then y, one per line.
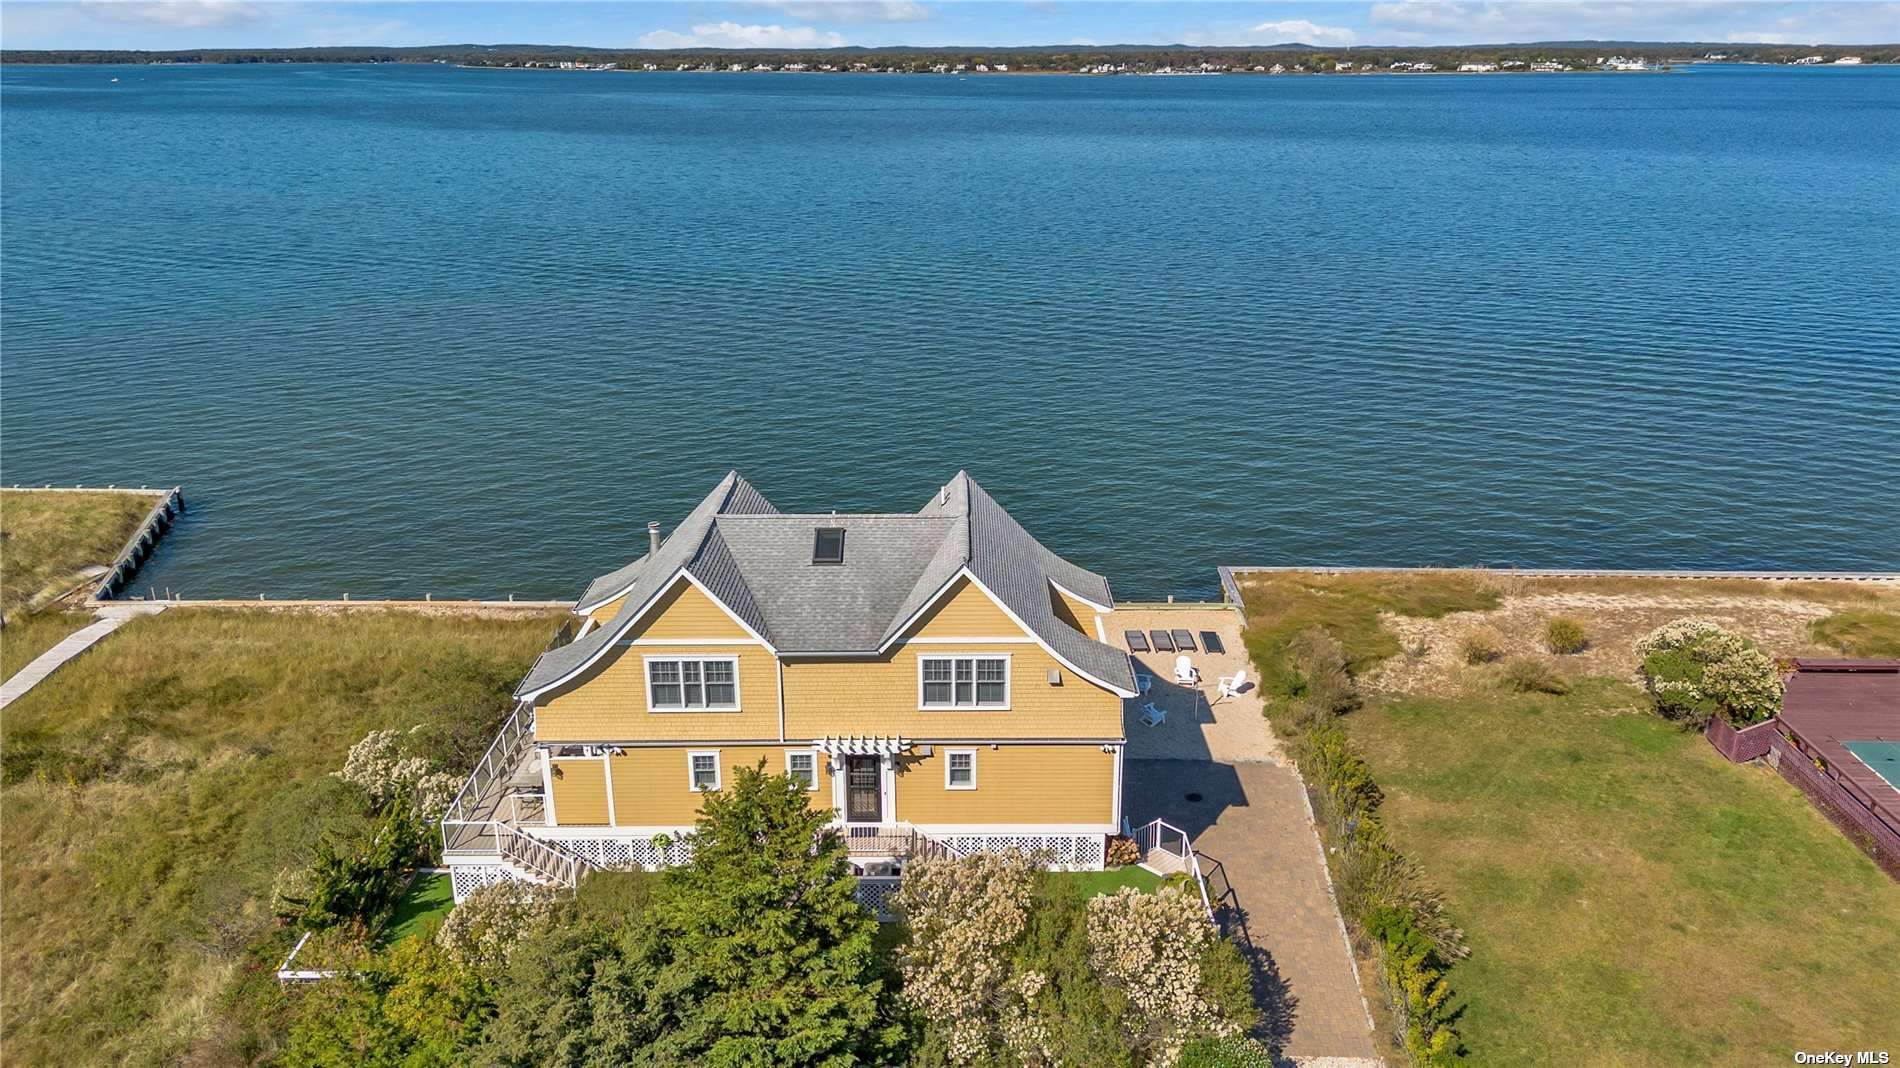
pixel 356 882
pixel 1695 670
pixel 1480 646
pixel 1226 1051
pixel 413 1007
pixel 1321 683
pixel 1415 978
pixel 1529 675
pixel 1122 851
pixel 482 931
pixel 960 914
pixel 1151 948
pixel 1563 636
pixel 1860 632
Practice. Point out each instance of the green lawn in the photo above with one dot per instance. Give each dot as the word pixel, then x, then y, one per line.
pixel 1091 883
pixel 47 537
pixel 422 907
pixel 1630 897
pixel 154 789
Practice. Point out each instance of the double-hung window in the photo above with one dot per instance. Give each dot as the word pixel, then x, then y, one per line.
pixel 702 771
pixel 963 681
pixel 959 769
pixel 801 766
pixel 702 684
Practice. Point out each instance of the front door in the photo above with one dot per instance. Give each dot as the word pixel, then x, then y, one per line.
pixel 863 799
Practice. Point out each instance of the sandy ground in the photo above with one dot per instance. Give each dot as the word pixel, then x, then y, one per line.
pixel 1433 662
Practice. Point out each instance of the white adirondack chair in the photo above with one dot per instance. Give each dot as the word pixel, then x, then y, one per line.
pixel 1152 715
pixel 1232 684
pixel 1185 672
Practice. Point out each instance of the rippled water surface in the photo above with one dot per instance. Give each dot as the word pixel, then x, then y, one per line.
pixel 417 329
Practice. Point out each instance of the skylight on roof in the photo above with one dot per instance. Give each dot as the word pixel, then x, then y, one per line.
pixel 827 546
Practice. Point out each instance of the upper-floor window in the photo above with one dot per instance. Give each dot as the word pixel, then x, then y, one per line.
pixel 963 681
pixel 702 684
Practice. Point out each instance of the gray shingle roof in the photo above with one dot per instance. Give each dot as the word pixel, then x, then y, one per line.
pixel 757 561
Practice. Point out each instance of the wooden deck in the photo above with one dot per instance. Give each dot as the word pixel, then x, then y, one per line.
pixel 1833 701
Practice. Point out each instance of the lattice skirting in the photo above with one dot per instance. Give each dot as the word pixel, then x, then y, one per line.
pixel 875 893
pixel 465 879
pixel 627 854
pixel 1063 852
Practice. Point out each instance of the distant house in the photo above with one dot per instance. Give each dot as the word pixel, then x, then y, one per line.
pixel 937 680
pixel 1809 61
pixel 1847 61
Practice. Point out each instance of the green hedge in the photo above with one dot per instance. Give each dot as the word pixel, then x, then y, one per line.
pixel 1381 892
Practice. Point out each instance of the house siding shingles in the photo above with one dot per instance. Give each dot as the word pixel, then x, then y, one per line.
pixel 652 787
pixel 610 703
pixel 1014 784
pixel 580 791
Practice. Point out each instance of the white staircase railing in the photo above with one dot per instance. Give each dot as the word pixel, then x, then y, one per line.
pixel 1165 837
pixel 541 857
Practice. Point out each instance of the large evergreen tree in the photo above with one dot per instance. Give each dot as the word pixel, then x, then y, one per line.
pixel 757 952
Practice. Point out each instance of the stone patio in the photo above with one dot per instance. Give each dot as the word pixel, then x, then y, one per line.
pixel 1200 725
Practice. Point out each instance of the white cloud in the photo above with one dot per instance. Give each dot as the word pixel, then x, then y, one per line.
pixel 845 11
pixel 1500 21
pixel 734 35
pixel 179 14
pixel 1302 31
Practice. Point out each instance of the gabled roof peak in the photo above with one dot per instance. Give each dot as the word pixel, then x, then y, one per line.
pixel 757 562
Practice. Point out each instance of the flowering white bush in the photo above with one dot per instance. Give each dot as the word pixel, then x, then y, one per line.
pixel 1151 947
pixel 1695 669
pixel 484 929
pixel 379 765
pixel 961 914
pixel 434 791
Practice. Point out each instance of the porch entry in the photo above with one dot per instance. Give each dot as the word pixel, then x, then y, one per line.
pixel 863 793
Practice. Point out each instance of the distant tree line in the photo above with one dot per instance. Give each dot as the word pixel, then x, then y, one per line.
pixel 1051 59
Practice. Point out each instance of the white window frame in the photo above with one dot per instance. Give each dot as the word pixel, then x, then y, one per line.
pixel 701 658
pixel 813 755
pixel 950 783
pixel 719 779
pixel 1009 682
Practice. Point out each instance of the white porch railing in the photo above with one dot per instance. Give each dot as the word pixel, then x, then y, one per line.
pixel 1165 837
pixel 475 819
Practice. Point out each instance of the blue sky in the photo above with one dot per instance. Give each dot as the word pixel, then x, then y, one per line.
pixel 166 24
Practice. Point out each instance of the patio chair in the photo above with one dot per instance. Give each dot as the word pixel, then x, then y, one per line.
pixel 1185 672
pixel 1211 642
pixel 1163 643
pixel 1183 639
pixel 1137 641
pixel 1144 682
pixel 1153 715
pixel 1232 684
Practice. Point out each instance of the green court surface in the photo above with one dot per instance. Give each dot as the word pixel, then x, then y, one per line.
pixel 1883 757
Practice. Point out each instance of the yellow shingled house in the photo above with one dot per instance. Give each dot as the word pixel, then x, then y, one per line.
pixel 938 680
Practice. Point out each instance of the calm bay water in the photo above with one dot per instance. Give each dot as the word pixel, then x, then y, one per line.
pixel 417 329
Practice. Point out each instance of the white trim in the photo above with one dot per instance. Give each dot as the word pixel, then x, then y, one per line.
pixel 622 626
pixel 813 754
pixel 585 627
pixel 1091 602
pixel 1101 631
pixel 719 781
pixel 635 834
pixel 1009 673
pixel 607 778
pixel 964 572
pixel 948 784
pixel 631 642
pixel 1016 828
pixel 646 669
pixel 1018 640
pixel 1118 784
pixel 547 785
